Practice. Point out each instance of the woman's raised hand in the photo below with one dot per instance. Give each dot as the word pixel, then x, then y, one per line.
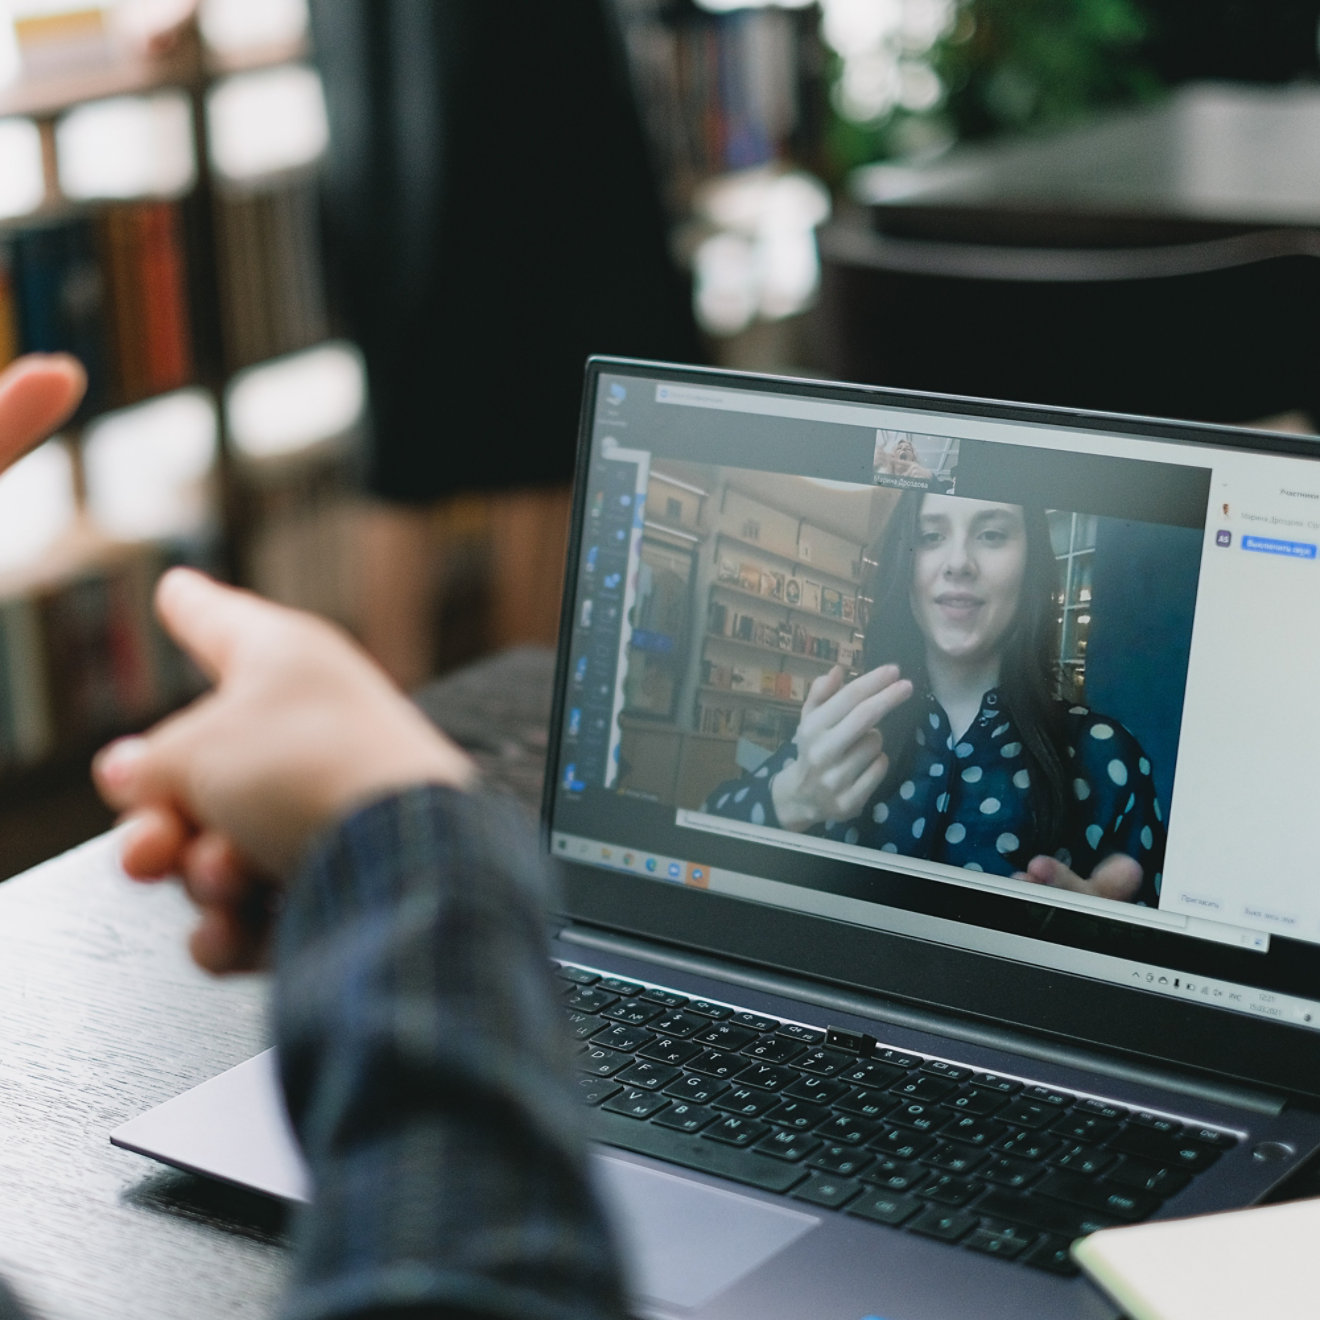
pixel 841 752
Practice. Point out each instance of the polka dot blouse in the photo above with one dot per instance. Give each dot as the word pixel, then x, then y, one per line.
pixel 967 802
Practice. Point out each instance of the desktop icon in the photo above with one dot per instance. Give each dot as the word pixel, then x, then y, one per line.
pixel 617 393
pixel 698 876
pixel 1223 537
pixel 650 863
pixel 675 870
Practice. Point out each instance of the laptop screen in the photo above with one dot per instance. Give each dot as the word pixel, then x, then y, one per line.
pixel 1034 685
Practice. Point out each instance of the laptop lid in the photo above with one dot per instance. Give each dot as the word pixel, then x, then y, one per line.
pixel 1140 739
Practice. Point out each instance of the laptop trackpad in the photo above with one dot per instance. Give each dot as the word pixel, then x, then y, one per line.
pixel 684 1241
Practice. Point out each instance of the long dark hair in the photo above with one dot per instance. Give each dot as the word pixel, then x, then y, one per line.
pixel 1029 679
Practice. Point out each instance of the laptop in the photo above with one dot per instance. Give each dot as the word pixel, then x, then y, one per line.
pixel 931 783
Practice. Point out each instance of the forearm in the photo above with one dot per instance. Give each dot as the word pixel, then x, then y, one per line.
pixel 423 1059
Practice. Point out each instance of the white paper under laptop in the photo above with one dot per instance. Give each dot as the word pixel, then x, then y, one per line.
pixel 737 538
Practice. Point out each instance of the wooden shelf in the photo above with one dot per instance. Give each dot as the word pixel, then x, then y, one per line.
pixel 807 567
pixel 772 650
pixel 732 589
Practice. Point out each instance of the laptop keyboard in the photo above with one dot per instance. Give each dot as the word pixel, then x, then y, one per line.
pixel 992 1163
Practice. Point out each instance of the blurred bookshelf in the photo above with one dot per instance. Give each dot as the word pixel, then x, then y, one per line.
pixel 158 219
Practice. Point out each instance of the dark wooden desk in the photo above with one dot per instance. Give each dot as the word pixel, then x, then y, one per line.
pixel 1212 159
pixel 102 1016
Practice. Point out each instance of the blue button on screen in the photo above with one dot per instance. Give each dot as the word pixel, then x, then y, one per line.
pixel 1269 546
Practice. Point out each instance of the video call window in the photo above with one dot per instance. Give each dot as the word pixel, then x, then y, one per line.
pixel 815 638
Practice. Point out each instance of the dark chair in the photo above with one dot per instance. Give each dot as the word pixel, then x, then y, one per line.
pixel 1221 330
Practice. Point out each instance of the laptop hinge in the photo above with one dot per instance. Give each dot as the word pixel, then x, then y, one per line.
pixel 919 1019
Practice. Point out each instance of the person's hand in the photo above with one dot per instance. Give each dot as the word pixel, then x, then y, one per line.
pixel 300 728
pixel 1117 877
pixel 841 756
pixel 37 393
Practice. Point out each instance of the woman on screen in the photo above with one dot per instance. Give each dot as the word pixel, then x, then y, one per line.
pixel 955 744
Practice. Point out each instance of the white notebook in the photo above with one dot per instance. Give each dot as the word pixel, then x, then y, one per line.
pixel 1263 1262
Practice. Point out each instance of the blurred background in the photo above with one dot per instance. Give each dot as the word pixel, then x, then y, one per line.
pixel 1108 203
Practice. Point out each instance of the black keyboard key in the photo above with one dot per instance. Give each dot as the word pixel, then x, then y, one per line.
pixel 1042 1213
pixel 665 998
pixel 592 1090
pixel 785 1145
pixel 899 1059
pixel 918 1116
pixel 620 1037
pixel 756 1022
pixel 866 1104
pixel 1208 1136
pixel 692 1151
pixel 891 1208
pixel 1080 1127
pixel 825 1190
pixel 896 1175
pixel 707 1009
pixel 683 1117
pixel 582 1026
pixel 648 1076
pixel 796 1031
pixel 577 975
pixel 948 1189
pixel 1006 1242
pixel 952 1157
pixel 734 1130
pixel 871 1075
pixel 946 1225
pixel 1051 1254
pixel 725 1036
pixel 973 1131
pixel 993 1082
pixel 922 1087
pixel 1143 1177
pixel 817 1090
pixel 1047 1095
pixel 717 1063
pixel 747 1101
pixel 940 1068
pixel 1101 1109
pixel 589 999
pixel 900 1144
pixel 634 1103
pixel 1088 1161
pixel 822 1061
pixel 1118 1202
pixel 845 1161
pixel 600 1062
pixel 1028 1145
pixel 799 1115
pixel 774 1049
pixel 666 1049
pixel 847 1130
pixel 768 1076
pixel 633 1012
pixel 977 1100
pixel 695 1088
pixel 679 1024
pixel 1005 1171
pixel 1156 1122
pixel 1029 1114
pixel 616 985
